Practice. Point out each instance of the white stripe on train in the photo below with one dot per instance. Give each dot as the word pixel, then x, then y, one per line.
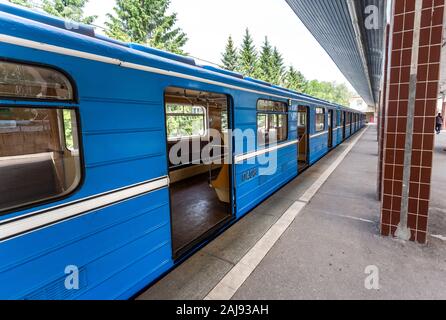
pixel 36 220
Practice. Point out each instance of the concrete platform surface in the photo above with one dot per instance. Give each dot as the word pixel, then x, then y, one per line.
pixel 325 252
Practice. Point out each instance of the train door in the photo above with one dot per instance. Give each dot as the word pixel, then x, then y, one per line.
pixel 354 122
pixel 343 119
pixel 330 128
pixel 197 126
pixel 350 119
pixel 303 122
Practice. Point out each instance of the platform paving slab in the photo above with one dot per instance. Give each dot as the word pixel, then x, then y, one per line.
pixel 196 277
pixel 437 212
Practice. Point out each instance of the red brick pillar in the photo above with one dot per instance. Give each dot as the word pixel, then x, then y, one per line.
pixel 414 71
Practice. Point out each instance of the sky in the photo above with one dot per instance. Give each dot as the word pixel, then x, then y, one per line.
pixel 208 24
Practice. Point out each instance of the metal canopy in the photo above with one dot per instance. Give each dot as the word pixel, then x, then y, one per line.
pixel 339 26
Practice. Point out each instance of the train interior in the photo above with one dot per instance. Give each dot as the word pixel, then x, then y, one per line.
pixel 47 165
pixel 200 189
pixel 304 137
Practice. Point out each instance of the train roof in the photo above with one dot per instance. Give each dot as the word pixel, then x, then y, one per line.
pixel 18 23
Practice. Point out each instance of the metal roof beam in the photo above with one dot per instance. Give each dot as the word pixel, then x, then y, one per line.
pixel 360 44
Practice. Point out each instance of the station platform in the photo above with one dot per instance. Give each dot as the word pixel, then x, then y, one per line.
pixel 315 238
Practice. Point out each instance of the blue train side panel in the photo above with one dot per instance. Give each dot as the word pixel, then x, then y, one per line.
pixel 105 244
pixel 123 246
pixel 252 187
pixel 338 128
pixel 318 140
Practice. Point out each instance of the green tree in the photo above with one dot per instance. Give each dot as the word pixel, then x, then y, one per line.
pixel 342 94
pixel 25 3
pixel 318 89
pixel 68 9
pixel 270 67
pixel 329 91
pixel 277 68
pixel 265 70
pixel 146 22
pixel 295 80
pixel 230 57
pixel 248 56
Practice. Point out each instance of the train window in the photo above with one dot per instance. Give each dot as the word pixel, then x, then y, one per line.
pixel 320 119
pixel 32 82
pixel 39 155
pixel 272 122
pixel 185 121
pixel 271 106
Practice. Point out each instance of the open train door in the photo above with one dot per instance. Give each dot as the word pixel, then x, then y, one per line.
pixel 330 128
pixel 303 121
pixel 199 148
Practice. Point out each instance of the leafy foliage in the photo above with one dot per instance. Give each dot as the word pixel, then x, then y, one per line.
pixel 146 22
pixel 185 121
pixel 25 3
pixel 269 66
pixel 68 9
pixel 295 80
pixel 330 91
pixel 68 128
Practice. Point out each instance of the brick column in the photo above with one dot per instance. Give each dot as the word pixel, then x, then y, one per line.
pixel 414 71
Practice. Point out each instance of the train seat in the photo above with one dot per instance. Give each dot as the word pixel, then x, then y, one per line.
pixel 221 185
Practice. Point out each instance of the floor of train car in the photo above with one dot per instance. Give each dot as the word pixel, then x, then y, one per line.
pixel 196 210
pixel 303 165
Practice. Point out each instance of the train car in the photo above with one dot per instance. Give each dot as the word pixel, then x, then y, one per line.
pixel 105 187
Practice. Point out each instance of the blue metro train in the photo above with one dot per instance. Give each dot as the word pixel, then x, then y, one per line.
pixel 93 186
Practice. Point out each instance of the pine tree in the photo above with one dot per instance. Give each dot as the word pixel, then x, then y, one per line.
pixel 248 56
pixel 265 70
pixel 68 9
pixel 146 22
pixel 25 3
pixel 277 67
pixel 295 80
pixel 230 56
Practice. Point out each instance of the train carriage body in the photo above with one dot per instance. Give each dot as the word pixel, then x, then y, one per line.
pixel 87 127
